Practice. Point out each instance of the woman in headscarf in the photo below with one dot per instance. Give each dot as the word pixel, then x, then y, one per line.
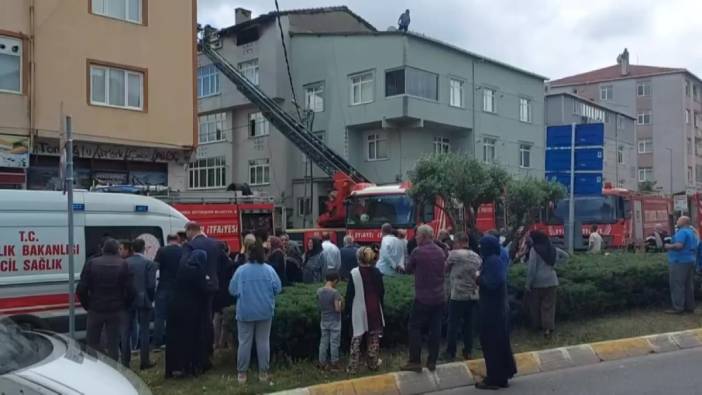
pixel 494 321
pixel 276 258
pixel 314 261
pixel 542 281
pixel 185 352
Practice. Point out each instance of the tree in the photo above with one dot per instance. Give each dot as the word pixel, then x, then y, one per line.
pixel 647 186
pixel 526 196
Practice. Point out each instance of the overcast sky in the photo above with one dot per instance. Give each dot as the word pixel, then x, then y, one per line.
pixel 550 37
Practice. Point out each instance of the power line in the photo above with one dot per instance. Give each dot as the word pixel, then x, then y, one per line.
pixel 287 63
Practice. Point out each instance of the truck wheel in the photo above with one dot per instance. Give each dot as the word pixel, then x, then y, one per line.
pixel 29 322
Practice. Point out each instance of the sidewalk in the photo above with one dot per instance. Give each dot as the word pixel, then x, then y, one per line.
pixel 461 374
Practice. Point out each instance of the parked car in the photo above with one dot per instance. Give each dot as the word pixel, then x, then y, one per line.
pixel 38 362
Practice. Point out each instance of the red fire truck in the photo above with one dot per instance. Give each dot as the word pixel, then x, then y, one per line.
pixel 624 218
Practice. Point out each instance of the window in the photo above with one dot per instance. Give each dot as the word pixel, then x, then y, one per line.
pixel 314 97
pixel 643 88
pixel 695 92
pixel 620 154
pixel 489 149
pixel 696 119
pixel 606 92
pixel 687 88
pixel 361 88
pixel 250 70
pixel 489 100
pixel 377 146
pixel 588 111
pixel 620 122
pixel 525 156
pixel 687 116
pixel 207 173
pixel 258 125
pixel 212 127
pixel 110 86
pixel 690 178
pixel 304 206
pixel 644 118
pixel 645 146
pixel 645 174
pixel 247 36
pixel 525 110
pixel 689 146
pixel 207 80
pixel 442 145
pixel 94 235
pixel 10 64
pixel 260 172
pixel 125 10
pixel 456 93
pixel 411 81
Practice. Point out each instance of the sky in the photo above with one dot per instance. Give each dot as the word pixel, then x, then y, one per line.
pixel 554 38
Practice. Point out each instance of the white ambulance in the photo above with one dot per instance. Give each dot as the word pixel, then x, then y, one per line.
pixel 34 246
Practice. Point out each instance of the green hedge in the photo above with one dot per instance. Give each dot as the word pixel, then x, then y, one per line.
pixel 590 285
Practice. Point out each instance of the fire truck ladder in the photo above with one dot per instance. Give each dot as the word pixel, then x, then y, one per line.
pixel 321 155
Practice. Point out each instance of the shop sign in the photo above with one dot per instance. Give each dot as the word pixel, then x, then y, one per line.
pixel 14 151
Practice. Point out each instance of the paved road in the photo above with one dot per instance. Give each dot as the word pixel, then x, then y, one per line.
pixel 673 373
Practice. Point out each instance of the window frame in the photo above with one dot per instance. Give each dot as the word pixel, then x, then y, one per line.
pixel 201 78
pixel 22 60
pixel 251 64
pixel 687 116
pixel 646 91
pixel 360 84
pixel 620 154
pixel 304 206
pixel 529 110
pixel 461 94
pixel 608 91
pixel 644 171
pixel 525 148
pixel 127 69
pixel 379 137
pixel 215 121
pixel 491 98
pixel 643 115
pixel 143 13
pixel 219 165
pixel 313 88
pixel 442 145
pixel 266 125
pixel 489 142
pixel 263 164
pixel 647 145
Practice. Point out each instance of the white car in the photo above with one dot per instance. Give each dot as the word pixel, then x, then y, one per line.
pixel 34 363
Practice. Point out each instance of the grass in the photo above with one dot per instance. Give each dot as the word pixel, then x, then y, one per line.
pixel 292 374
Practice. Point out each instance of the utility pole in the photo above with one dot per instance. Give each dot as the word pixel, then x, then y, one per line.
pixel 71 244
pixel 571 203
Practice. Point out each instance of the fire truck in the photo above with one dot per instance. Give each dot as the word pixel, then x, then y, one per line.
pixel 624 218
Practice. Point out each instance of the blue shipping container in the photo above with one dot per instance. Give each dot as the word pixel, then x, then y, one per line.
pixel 589 159
pixel 558 136
pixel 585 183
pixel 591 134
pixel 558 160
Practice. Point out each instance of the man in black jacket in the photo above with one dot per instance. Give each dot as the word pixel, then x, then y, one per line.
pixel 168 260
pixel 105 291
pixel 216 261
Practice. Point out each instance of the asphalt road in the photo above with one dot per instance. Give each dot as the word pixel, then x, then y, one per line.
pixel 673 373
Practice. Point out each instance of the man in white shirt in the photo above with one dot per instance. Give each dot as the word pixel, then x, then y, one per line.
pixel 331 253
pixel 391 258
pixel 595 241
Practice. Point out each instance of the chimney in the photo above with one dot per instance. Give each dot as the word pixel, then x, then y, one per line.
pixel 623 62
pixel 241 15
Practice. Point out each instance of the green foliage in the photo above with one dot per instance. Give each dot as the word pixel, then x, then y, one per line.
pixel 526 195
pixel 647 186
pixel 589 286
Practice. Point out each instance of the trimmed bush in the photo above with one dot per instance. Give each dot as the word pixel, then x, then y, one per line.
pixel 589 285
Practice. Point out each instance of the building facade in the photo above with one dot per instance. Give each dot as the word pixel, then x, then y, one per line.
pixel 123 70
pixel 380 99
pixel 620 156
pixel 667 104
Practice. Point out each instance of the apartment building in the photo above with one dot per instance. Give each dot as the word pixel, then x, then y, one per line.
pixel 381 99
pixel 122 69
pixel 620 156
pixel 667 104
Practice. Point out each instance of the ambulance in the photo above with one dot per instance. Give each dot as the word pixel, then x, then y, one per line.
pixel 34 246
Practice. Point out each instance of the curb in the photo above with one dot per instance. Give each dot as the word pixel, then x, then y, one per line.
pixel 461 374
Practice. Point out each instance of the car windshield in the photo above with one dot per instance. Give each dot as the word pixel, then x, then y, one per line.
pixel 373 211
pixel 588 210
pixel 20 349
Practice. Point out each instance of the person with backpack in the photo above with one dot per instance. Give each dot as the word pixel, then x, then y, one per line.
pixel 682 254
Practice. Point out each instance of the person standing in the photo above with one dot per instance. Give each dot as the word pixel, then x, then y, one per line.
pixel 461 267
pixel 222 299
pixel 391 258
pixel 215 261
pixel 427 265
pixel 143 274
pixel 348 258
pixel 365 295
pixel 594 244
pixel 293 260
pixel 254 286
pixel 330 305
pixel 682 253
pixel 332 255
pixel 167 260
pixel 315 261
pixel 185 335
pixel 105 290
pixel 276 258
pixel 542 281
pixel 494 320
